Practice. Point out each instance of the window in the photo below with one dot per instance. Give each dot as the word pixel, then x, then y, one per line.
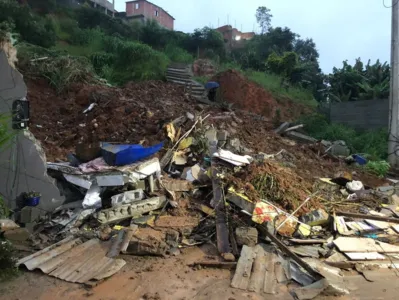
pixel 137 5
pixel 156 13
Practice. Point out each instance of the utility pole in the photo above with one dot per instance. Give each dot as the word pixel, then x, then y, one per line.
pixel 393 141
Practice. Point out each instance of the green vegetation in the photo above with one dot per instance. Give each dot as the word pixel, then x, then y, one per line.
pixel 60 70
pixel 379 168
pixel 272 83
pixel 8 261
pixel 370 142
pixel 359 82
pixel 81 45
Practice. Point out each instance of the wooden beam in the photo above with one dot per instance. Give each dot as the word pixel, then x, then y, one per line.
pixel 370 217
pixel 288 252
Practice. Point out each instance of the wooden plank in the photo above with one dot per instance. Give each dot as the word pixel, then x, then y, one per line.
pixel 270 283
pixel 378 224
pixel 307 242
pixel 369 217
pixel 365 256
pixel 244 266
pixel 259 269
pixel 287 251
pixel 348 244
pixel 279 272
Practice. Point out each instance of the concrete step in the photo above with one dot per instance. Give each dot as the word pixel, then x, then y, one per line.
pixel 182 82
pixel 179 78
pixel 178 81
pixel 178 71
pixel 192 84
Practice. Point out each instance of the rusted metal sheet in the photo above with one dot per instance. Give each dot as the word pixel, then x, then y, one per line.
pixel 74 260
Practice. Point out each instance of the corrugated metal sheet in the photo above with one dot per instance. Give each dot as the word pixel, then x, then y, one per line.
pixel 74 260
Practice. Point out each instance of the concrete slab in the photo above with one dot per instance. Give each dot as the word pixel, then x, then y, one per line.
pixel 23 163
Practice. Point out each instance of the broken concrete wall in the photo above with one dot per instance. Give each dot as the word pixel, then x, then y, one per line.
pixel 22 164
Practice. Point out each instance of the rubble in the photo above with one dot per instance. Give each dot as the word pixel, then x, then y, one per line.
pixel 277 211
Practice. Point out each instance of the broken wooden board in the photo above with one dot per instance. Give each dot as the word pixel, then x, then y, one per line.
pixel 280 272
pixel 368 217
pixel 307 242
pixel 255 270
pixel 349 244
pixel 270 283
pixel 244 266
pixel 365 256
pixel 307 251
pixel 379 224
pixel 176 222
pixel 259 269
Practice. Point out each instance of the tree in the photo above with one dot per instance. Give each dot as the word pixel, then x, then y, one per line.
pixel 351 83
pixel 306 50
pixel 264 18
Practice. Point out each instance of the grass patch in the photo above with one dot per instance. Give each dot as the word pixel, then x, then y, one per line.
pixel 379 168
pixel 177 54
pixel 273 84
pixel 370 142
pixel 77 50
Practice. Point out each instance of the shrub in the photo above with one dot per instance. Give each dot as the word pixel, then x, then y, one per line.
pixel 100 60
pixel 177 54
pixel 8 261
pixel 90 18
pixel 371 142
pixel 60 70
pixel 33 29
pixel 135 61
pixel 379 168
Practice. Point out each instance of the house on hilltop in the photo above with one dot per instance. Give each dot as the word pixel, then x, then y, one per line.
pixel 233 38
pixel 142 10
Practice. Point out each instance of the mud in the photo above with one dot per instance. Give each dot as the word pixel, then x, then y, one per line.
pixel 250 96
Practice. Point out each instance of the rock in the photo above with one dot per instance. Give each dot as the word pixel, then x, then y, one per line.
pixel 105 233
pixel 174 251
pixel 395 199
pixel 222 135
pixel 228 257
pixel 17 234
pixel 234 145
pixel 247 236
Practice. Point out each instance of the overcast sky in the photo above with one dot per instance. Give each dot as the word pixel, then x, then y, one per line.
pixel 341 29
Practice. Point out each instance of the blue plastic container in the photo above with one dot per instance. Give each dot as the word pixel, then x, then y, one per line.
pixel 121 155
pixel 32 201
pixel 359 159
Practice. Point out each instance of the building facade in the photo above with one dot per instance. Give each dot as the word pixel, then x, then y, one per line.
pixel 142 10
pixel 233 38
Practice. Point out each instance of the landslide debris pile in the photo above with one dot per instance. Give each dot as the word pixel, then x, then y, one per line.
pixel 250 96
pixel 133 114
pixel 221 177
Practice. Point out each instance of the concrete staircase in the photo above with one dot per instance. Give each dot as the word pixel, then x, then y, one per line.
pixel 181 74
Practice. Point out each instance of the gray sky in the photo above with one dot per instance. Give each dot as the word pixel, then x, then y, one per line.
pixel 341 29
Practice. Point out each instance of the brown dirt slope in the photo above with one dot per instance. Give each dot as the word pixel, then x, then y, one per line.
pixel 250 96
